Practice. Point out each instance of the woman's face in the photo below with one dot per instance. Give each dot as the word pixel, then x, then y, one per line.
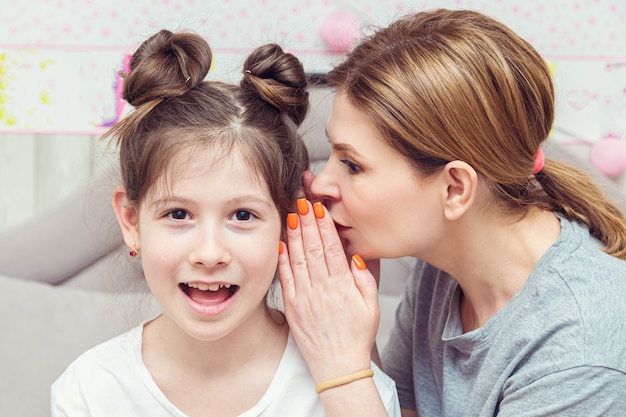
pixel 381 207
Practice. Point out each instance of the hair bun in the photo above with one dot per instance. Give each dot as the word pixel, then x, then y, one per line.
pixel 166 65
pixel 279 79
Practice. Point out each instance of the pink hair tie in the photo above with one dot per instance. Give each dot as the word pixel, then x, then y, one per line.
pixel 540 160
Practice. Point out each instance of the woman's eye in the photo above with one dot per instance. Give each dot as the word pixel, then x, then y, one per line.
pixel 178 214
pixel 352 167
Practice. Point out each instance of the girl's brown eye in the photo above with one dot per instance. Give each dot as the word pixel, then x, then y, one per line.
pixel 243 215
pixel 178 214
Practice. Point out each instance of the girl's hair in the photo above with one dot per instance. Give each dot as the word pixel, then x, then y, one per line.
pixel 176 112
pixel 448 85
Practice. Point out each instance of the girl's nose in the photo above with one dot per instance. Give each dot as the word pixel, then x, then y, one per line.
pixel 209 250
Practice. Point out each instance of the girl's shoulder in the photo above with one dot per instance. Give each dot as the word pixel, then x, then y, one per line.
pixel 109 357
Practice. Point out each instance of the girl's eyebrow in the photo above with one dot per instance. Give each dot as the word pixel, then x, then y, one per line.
pixel 162 202
pixel 174 200
pixel 251 199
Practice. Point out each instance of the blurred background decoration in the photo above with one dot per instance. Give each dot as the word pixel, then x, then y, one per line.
pixel 59 59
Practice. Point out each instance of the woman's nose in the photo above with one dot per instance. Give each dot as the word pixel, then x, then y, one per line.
pixel 324 185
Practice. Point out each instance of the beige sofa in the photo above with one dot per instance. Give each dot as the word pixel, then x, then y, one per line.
pixel 67 283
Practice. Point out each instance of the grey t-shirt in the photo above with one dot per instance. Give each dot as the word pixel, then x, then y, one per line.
pixel 557 348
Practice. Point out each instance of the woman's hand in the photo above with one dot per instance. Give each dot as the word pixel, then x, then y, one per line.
pixel 331 306
pixel 373 265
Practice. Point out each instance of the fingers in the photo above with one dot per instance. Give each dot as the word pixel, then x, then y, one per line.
pixel 331 305
pixel 316 253
pixel 366 283
pixel 285 276
pixel 316 240
pixel 304 263
pixel 373 265
pixel 334 253
pixel 311 239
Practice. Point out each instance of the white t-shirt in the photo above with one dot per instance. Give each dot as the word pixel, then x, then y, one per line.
pixel 111 379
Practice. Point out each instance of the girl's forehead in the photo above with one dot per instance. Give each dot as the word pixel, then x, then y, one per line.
pixel 232 166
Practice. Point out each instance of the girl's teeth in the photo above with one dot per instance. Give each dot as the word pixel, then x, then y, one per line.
pixel 205 287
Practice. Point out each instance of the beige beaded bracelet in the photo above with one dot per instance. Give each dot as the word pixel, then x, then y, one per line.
pixel 342 380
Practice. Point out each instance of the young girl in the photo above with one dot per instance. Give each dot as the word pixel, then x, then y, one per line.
pixel 437 131
pixel 209 172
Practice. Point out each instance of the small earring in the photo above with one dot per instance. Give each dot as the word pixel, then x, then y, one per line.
pixel 133 252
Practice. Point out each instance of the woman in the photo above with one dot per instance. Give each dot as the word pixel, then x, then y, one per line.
pixel 516 306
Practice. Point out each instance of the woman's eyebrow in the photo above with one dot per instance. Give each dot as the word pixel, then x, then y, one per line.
pixel 339 146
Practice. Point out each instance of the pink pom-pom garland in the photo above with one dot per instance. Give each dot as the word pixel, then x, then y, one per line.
pixel 340 31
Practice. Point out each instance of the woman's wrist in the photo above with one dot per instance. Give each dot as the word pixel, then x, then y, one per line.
pixel 343 380
pixel 327 370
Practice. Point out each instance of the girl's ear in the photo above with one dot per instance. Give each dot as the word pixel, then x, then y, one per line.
pixel 127 217
pixel 462 184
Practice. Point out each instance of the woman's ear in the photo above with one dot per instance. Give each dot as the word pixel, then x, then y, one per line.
pixel 127 217
pixel 462 184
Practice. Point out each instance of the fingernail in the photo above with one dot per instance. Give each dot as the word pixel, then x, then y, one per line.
pixel 318 209
pixel 358 262
pixel 281 247
pixel 303 206
pixel 292 221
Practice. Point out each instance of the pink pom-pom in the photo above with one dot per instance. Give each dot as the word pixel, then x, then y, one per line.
pixel 609 157
pixel 339 31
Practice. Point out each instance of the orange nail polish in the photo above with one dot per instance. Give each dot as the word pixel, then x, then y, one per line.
pixel 281 247
pixel 359 263
pixel 292 221
pixel 303 206
pixel 318 209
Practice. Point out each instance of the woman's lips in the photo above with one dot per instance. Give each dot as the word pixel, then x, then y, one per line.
pixel 341 229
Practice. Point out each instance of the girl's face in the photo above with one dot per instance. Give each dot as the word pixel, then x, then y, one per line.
pixel 209 246
pixel 381 208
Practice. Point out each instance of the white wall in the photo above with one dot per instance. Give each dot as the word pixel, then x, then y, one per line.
pixel 58 64
pixel 36 171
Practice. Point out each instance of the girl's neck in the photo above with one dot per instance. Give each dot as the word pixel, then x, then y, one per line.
pixel 226 376
pixel 164 340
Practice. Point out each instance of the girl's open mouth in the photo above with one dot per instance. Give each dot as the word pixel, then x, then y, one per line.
pixel 208 294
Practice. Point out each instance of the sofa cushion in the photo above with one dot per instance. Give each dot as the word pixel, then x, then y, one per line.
pixel 44 328
pixel 65 239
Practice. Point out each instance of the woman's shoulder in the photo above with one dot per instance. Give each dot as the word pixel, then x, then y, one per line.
pixel 577 295
pixel 578 266
pixel 578 262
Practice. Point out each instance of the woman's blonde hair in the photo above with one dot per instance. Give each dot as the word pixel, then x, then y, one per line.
pixel 448 85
